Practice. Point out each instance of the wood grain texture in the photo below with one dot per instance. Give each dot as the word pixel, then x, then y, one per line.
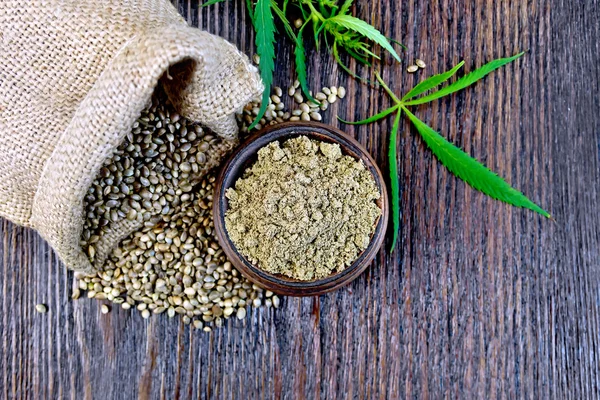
pixel 479 300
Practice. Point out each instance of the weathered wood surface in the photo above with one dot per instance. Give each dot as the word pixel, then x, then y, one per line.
pixel 479 300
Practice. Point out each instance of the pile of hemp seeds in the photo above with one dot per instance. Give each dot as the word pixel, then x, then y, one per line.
pixel 162 176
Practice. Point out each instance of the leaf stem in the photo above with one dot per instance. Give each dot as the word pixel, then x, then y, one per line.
pixel 387 89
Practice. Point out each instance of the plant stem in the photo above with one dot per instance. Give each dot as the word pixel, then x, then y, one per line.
pixel 387 89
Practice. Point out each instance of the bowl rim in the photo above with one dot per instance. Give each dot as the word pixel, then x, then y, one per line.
pixel 242 157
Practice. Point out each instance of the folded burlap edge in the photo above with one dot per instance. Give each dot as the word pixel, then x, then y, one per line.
pixel 111 107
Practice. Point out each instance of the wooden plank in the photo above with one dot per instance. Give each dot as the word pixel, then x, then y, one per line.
pixel 478 300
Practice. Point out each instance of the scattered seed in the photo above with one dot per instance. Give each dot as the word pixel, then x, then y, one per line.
pixel 341 92
pixel 256 59
pixel 298 23
pixel 104 309
pixel 332 98
pixel 41 308
pixel 420 63
pixel 412 68
pixel 298 97
pixel 315 116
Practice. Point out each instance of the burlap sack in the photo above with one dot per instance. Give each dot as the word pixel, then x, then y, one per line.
pixel 74 76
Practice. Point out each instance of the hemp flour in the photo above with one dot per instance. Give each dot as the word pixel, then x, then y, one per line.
pixel 303 209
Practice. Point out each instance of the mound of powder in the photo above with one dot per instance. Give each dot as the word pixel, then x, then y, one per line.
pixel 303 209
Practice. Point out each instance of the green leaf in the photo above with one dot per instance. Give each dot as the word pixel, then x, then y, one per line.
pixel 284 21
pixel 211 2
pixel 394 41
pixel 393 161
pixel 374 118
pixel 265 39
pixel 465 81
pixel 432 82
pixel 470 170
pixel 345 7
pixel 337 58
pixel 358 57
pixel 250 8
pixel 360 26
pixel 301 65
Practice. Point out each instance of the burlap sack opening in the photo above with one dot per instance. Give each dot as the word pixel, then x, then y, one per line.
pixel 45 172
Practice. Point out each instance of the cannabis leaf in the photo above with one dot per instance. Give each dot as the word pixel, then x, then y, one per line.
pixel 301 65
pixel 211 2
pixel 393 165
pixel 265 45
pixel 328 20
pixel 346 7
pixel 360 26
pixel 470 170
pixel 465 81
pixel 457 161
pixel 250 8
pixel 432 82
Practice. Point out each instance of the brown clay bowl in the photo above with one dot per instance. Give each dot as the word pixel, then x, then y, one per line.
pixel 244 157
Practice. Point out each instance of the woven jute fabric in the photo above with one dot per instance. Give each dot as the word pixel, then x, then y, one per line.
pixel 74 76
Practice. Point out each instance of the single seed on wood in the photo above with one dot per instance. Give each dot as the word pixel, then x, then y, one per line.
pixel 332 98
pixel 412 68
pixel 420 63
pixel 321 96
pixel 304 108
pixel 298 98
pixel 333 90
pixel 145 314
pixel 41 308
pixel 256 59
pixel 341 92
pixel 291 91
pixel 296 83
pixel 76 294
pixel 315 116
pixel 104 309
pixel 277 90
pixel 326 90
pixel 305 117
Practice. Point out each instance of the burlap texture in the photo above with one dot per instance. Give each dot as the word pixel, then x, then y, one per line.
pixel 74 76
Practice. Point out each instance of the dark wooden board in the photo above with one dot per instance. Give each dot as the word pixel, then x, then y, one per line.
pixel 479 300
